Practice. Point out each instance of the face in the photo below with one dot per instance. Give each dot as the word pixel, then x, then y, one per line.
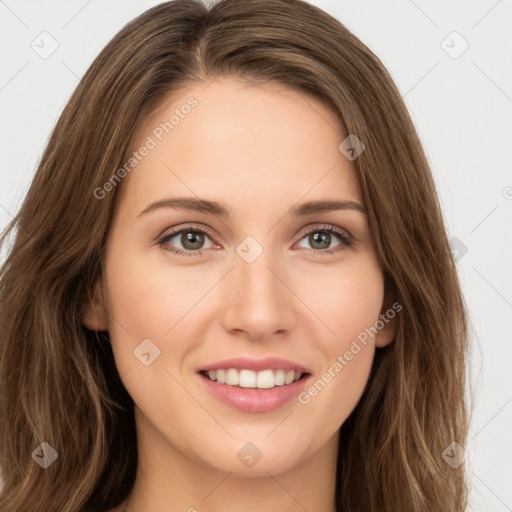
pixel 187 287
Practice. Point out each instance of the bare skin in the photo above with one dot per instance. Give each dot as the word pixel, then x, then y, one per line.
pixel 260 150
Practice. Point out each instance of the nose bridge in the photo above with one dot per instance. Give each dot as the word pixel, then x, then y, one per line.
pixel 258 301
pixel 257 278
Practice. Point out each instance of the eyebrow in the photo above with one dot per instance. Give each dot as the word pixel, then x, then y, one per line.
pixel 223 210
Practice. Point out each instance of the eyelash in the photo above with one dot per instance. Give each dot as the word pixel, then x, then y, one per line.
pixel 345 239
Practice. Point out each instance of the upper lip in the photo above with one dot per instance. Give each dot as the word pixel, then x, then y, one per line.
pixel 241 363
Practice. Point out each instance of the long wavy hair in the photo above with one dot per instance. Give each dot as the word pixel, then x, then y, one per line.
pixel 58 380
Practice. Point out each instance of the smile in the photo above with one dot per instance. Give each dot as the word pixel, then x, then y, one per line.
pixel 266 379
pixel 253 398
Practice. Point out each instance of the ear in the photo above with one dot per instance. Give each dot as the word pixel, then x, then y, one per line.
pixel 94 311
pixel 388 317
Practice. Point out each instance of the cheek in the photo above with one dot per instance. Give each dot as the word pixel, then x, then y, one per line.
pixel 344 301
pixel 148 302
pixel 334 393
pixel 147 299
pixel 349 308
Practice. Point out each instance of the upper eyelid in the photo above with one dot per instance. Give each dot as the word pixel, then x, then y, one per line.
pixel 325 226
pixel 188 227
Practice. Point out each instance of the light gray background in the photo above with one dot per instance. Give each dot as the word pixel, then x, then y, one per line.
pixel 461 107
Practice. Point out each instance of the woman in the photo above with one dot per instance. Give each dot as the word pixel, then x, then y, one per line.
pixel 230 286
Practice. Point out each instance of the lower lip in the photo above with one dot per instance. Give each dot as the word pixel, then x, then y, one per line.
pixel 255 400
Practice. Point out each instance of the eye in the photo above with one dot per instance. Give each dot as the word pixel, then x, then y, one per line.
pixel 321 238
pixel 191 238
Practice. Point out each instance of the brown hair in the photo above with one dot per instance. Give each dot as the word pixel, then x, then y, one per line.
pixel 58 380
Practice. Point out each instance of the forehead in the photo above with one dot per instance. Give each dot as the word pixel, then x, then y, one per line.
pixel 242 142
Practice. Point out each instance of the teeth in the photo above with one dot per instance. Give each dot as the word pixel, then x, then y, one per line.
pixel 279 378
pixel 232 377
pixel 247 379
pixel 265 379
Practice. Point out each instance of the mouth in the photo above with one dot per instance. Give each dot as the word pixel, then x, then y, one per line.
pixel 254 385
pixel 251 379
pixel 253 391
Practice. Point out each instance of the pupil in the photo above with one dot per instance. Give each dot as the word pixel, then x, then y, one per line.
pixel 324 239
pixel 194 238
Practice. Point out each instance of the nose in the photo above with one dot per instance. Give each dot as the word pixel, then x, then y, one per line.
pixel 256 299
